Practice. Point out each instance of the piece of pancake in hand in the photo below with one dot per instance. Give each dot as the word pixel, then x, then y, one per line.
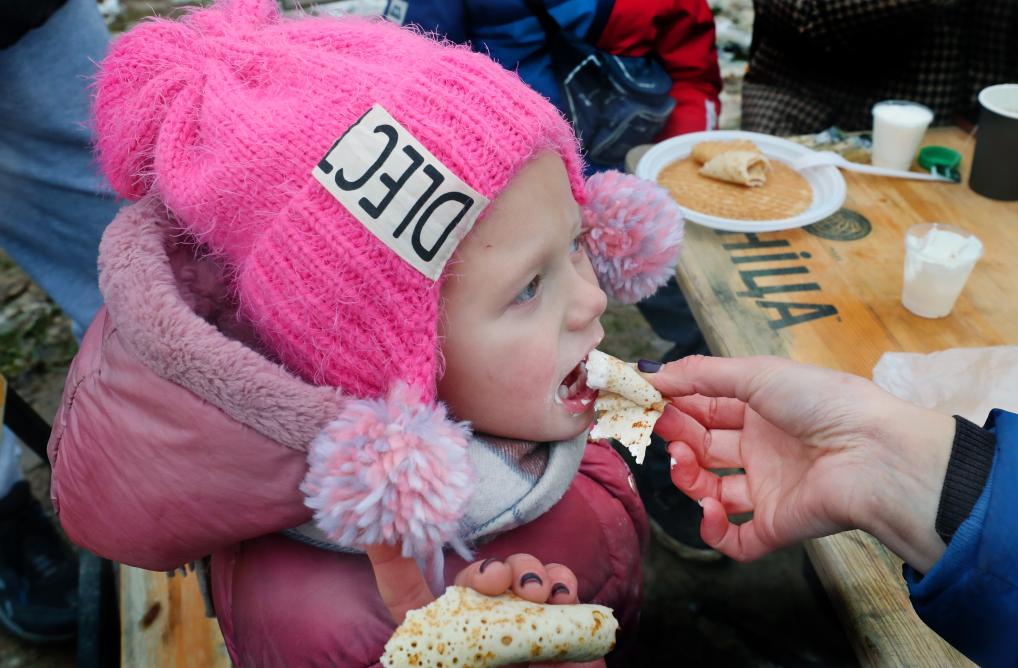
pixel 706 151
pixel 465 629
pixel 785 194
pixel 747 168
pixel 627 406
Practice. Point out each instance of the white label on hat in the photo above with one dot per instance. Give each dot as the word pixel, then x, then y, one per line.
pixel 397 189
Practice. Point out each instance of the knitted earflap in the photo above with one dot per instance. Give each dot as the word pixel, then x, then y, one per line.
pixel 633 234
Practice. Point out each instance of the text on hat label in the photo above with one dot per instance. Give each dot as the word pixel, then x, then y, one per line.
pixel 402 193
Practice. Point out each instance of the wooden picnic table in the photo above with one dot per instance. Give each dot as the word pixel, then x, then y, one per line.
pixel 830 295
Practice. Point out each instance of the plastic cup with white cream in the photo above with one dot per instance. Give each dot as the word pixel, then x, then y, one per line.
pixel 938 261
pixel 898 129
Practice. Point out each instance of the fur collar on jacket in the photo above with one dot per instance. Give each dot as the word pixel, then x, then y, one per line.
pixel 174 314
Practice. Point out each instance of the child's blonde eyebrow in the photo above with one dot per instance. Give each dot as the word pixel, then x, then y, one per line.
pixel 520 277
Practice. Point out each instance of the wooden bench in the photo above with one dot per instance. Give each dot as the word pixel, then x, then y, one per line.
pixel 163 622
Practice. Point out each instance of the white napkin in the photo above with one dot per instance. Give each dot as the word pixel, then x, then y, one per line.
pixel 963 381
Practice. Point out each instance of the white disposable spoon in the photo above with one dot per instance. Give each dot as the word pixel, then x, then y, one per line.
pixel 822 158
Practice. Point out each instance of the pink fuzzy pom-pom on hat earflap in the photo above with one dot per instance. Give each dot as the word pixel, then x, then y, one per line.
pixel 632 233
pixel 223 115
pixel 388 470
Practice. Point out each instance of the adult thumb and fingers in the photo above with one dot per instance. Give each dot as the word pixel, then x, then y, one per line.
pixel 698 482
pixel 733 377
pixel 741 542
pixel 715 448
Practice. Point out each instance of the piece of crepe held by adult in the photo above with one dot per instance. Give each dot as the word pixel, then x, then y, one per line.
pixel 706 151
pixel 627 406
pixel 626 422
pixel 605 372
pixel 746 168
pixel 465 629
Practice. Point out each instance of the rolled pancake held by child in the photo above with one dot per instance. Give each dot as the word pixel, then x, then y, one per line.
pixel 466 629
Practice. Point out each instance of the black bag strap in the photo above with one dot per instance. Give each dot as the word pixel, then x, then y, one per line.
pixel 551 27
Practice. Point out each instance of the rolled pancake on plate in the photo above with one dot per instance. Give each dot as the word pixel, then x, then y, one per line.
pixel 465 629
pixel 747 168
pixel 627 406
pixel 706 151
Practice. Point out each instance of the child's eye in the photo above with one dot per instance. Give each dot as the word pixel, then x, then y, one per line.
pixel 575 246
pixel 529 292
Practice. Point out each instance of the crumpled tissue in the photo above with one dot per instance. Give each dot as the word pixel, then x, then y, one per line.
pixel 960 381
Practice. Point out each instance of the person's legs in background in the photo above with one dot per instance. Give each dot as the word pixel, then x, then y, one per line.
pixel 54 206
pixel 674 517
pixel 669 315
pixel 38 571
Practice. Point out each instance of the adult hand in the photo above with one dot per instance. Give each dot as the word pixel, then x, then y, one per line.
pixel 403 588
pixel 822 451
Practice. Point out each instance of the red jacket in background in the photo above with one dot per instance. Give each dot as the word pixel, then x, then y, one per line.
pixel 679 32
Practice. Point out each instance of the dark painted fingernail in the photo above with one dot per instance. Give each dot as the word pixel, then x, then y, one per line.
pixel 648 366
pixel 531 577
pixel 559 588
pixel 487 562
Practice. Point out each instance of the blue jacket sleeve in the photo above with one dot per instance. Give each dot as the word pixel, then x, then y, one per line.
pixel 444 17
pixel 970 596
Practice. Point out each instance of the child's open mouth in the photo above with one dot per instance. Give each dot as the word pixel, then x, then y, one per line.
pixel 573 392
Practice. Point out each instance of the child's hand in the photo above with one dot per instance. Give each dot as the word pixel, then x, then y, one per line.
pixel 403 588
pixel 400 582
pixel 528 578
pixel 524 575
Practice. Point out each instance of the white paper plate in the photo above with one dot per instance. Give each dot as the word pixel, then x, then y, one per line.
pixel 827 183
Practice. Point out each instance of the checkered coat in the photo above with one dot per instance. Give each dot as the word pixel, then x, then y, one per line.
pixel 818 63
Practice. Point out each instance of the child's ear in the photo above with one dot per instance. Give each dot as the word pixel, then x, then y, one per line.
pixel 632 233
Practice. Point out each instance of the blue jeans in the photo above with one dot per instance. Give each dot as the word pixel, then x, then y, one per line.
pixel 54 204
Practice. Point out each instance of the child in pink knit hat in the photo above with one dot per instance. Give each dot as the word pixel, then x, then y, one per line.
pixel 360 278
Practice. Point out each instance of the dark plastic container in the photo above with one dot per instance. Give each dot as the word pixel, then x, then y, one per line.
pixel 995 161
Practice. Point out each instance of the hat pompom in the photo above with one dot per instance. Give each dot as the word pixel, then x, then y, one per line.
pixel 633 234
pixel 391 470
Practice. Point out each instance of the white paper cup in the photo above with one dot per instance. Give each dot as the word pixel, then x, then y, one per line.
pixel 898 129
pixel 938 261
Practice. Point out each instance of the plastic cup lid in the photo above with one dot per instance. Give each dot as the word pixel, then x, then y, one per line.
pixel 939 156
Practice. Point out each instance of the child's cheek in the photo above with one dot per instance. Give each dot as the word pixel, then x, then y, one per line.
pixel 525 378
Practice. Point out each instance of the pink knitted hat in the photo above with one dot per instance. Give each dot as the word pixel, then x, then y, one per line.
pixel 224 116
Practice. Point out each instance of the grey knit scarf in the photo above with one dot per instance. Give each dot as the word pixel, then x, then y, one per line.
pixel 517 482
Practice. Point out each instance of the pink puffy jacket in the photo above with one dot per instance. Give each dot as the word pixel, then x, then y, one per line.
pixel 177 439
